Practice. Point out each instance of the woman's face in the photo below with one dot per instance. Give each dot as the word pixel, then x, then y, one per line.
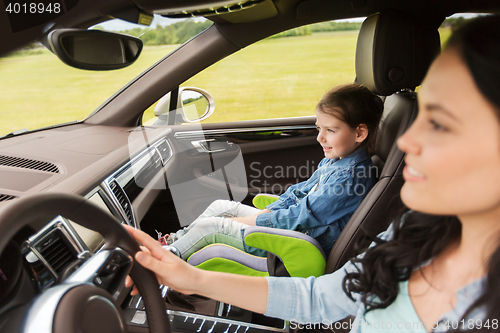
pixel 453 147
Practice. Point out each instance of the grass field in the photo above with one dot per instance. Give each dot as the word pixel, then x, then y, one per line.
pixel 39 90
pixel 277 78
pixel 274 78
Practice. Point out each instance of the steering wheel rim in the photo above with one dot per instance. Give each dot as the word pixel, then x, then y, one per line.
pixel 39 209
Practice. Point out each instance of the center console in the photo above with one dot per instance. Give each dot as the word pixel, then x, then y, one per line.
pixel 202 315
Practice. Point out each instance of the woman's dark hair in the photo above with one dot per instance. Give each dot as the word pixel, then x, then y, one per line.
pixel 419 237
pixel 478 44
pixel 355 105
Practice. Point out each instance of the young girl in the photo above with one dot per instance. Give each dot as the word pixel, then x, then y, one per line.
pixel 347 119
pixel 436 267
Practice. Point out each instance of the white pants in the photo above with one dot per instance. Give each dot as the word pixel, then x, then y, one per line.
pixel 214 226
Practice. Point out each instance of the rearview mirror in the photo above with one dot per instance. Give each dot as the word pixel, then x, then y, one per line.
pixel 93 49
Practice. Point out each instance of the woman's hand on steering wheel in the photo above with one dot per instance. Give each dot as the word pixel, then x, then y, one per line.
pixel 170 270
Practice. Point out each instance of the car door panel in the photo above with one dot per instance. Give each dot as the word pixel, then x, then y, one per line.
pixel 248 158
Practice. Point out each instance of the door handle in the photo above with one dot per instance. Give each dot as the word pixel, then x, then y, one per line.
pixel 203 145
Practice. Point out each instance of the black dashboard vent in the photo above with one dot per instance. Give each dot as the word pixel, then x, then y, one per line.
pixel 42 274
pixel 122 199
pixel 25 163
pixel 56 252
pixel 6 197
pixel 164 150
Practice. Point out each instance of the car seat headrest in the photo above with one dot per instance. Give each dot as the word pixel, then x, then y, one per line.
pixel 394 51
pixel 395 107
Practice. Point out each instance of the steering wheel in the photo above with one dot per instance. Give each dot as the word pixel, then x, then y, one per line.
pixel 81 303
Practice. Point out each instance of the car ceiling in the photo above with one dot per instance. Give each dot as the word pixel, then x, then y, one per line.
pixel 288 14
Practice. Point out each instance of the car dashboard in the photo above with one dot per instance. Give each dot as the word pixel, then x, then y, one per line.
pixel 121 170
pixel 109 166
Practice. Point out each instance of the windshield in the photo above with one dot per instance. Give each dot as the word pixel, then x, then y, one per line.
pixel 38 90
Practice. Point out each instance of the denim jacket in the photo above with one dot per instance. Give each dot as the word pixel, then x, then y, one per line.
pixel 323 301
pixel 324 211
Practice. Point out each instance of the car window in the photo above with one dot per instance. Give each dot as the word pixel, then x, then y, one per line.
pixel 281 76
pixel 37 89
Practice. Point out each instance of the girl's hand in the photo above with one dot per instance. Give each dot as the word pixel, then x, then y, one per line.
pixel 169 269
pixel 250 220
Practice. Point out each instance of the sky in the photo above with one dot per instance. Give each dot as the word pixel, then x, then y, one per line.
pixel 120 25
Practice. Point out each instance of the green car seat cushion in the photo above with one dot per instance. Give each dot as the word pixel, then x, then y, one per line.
pixel 225 258
pixel 301 255
pixel 261 201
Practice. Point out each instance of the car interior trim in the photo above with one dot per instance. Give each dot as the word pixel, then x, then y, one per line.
pixel 209 320
pixel 197 134
pixel 89 271
pixel 40 317
pixel 26 163
pixel 6 197
pixel 100 193
pixel 111 187
pixel 121 177
pixel 43 238
pixel 215 9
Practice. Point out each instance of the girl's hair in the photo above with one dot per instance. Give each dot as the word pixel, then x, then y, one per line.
pixel 355 105
pixel 419 237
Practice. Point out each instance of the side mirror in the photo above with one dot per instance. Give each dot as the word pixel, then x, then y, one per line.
pixel 93 49
pixel 197 104
pixel 193 105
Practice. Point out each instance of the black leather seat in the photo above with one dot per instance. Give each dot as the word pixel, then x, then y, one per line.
pixel 393 54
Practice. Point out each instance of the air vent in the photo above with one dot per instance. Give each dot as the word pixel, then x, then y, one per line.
pixel 6 197
pixel 56 252
pixel 164 150
pixel 25 163
pixel 43 276
pixel 122 199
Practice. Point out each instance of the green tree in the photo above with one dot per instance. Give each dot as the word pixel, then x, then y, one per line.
pixel 176 33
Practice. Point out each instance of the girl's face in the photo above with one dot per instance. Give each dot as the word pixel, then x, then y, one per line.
pixel 336 137
pixel 453 147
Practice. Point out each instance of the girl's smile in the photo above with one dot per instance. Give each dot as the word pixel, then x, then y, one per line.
pixel 336 137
